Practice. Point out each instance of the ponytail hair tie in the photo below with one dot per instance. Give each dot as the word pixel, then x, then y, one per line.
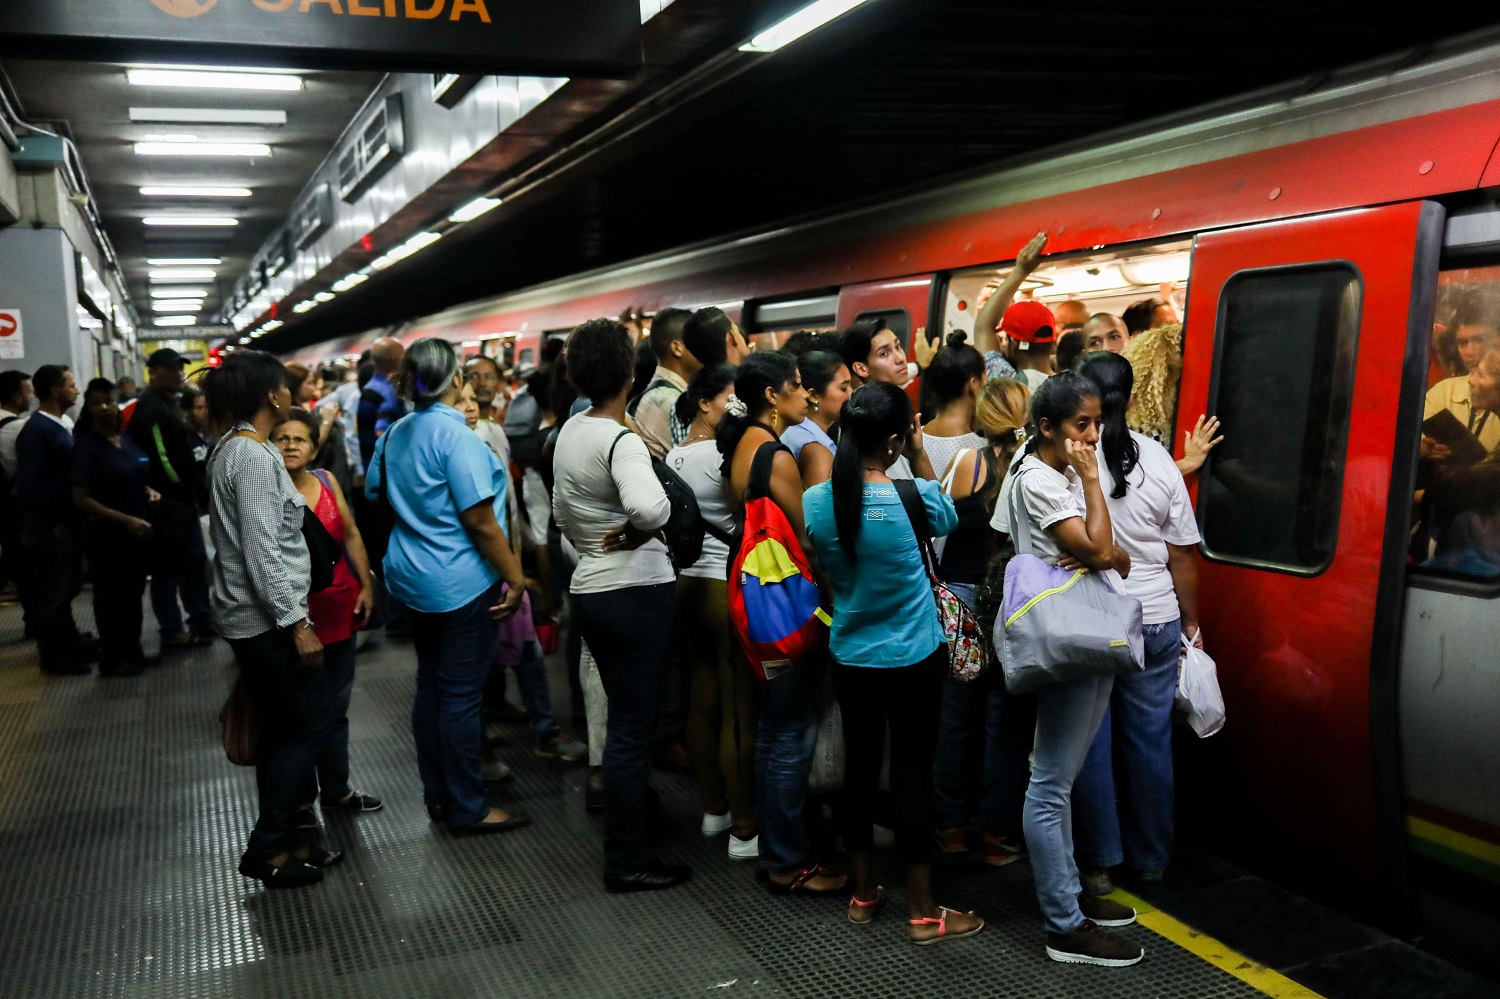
pixel 735 407
pixel 421 387
pixel 1020 433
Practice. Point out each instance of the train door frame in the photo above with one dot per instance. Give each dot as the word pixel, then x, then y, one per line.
pixel 1384 243
pixel 913 294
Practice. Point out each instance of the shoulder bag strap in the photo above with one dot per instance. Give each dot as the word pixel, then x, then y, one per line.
pixel 760 470
pixel 916 514
pixel 1020 524
pixel 610 460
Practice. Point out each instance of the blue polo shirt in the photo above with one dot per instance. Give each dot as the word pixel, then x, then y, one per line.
pixel 438 468
pixel 883 611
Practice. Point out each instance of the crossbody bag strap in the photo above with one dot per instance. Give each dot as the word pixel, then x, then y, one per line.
pixel 916 515
pixel 1020 525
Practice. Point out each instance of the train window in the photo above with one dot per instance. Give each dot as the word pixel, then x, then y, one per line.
pixel 1457 531
pixel 1283 379
pixel 898 321
pixel 526 356
pixel 770 323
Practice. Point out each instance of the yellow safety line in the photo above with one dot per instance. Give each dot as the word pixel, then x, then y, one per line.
pixel 1472 846
pixel 1252 973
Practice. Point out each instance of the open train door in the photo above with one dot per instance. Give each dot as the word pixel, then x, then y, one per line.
pixel 1308 338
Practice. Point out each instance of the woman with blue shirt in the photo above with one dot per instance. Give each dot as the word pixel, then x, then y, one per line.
pixel 826 379
pixel 888 648
pixel 449 563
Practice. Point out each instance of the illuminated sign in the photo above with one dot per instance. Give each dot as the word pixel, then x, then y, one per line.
pixel 541 37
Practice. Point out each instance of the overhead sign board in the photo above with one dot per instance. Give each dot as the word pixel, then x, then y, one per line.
pixel 542 37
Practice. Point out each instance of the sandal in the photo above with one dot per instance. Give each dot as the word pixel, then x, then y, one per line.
pixel 874 905
pixel 941 922
pixel 799 884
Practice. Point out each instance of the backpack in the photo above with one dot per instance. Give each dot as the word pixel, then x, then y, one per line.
pixel 774 605
pixel 969 653
pixel 684 529
pixel 523 428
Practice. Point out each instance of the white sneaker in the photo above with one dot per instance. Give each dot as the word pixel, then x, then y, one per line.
pixel 713 825
pixel 744 849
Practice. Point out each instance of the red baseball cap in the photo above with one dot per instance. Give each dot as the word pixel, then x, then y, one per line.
pixel 1029 322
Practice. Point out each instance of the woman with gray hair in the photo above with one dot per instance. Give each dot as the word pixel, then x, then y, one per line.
pixel 449 562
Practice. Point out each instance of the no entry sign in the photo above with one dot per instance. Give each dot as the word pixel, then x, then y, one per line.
pixel 548 37
pixel 12 342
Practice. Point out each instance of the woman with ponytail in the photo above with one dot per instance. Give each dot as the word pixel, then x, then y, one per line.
pixel 1153 521
pixel 950 387
pixel 768 398
pixel 888 648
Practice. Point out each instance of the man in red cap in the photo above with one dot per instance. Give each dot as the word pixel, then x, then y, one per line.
pixel 1030 334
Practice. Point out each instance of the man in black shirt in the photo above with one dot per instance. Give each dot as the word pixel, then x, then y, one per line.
pixel 44 483
pixel 180 564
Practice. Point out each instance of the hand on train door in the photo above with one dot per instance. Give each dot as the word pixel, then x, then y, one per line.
pixel 1031 253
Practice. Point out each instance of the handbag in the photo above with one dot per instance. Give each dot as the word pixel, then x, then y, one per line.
pixel 968 655
pixel 825 775
pixel 237 726
pixel 1059 625
pixel 322 551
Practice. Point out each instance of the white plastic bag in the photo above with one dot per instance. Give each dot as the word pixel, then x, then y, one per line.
pixel 1199 700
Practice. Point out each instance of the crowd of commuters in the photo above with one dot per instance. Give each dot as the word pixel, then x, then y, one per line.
pixel 472 509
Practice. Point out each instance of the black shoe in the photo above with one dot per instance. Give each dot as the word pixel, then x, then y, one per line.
pixel 291 874
pixel 593 794
pixel 438 813
pixel 655 877
pixel 517 820
pixel 355 801
pixel 65 666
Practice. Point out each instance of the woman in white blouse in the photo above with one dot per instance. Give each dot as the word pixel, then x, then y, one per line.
pixel 608 502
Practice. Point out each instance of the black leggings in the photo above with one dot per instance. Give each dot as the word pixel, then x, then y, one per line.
pixel 908 699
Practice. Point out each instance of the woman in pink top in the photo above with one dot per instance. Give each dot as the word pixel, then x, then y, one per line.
pixel 338 611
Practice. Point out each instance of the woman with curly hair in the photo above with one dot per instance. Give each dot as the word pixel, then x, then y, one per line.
pixel 1155 358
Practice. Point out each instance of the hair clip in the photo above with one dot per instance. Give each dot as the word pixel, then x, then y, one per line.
pixel 1020 433
pixel 734 407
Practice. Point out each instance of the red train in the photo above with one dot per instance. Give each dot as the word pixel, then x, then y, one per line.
pixel 1310 237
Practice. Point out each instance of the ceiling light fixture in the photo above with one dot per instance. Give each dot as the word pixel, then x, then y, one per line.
pixel 474 209
pixel 206 116
pixel 274 324
pixel 212 80
pixel 196 192
pixel 195 148
pixel 195 221
pixel 184 261
pixel 809 18
pixel 406 249
pixel 343 284
pixel 182 274
pixel 323 296
pixel 177 291
pixel 175 321
pixel 306 305
pixel 177 305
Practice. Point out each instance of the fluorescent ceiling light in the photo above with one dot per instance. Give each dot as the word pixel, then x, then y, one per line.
pixel 274 324
pixel 207 116
pixel 307 305
pixel 175 321
pixel 323 296
pixel 809 18
pixel 474 209
pixel 345 283
pixel 183 274
pixel 196 221
pixel 195 148
pixel 184 261
pixel 177 305
pixel 196 192
pixel 177 291
pixel 211 80
pixel 406 249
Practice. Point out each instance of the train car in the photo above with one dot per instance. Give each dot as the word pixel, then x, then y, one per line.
pixel 1317 239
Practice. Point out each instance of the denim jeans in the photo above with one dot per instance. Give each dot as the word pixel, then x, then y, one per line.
pixel 628 631
pixel 180 569
pixel 292 717
pixel 1132 752
pixel 453 661
pixel 333 762
pixel 783 755
pixel 1067 716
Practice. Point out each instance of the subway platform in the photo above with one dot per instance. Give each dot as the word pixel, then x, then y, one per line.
pixel 121 824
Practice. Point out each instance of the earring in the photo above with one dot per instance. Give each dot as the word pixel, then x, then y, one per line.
pixel 776 421
pixel 812 404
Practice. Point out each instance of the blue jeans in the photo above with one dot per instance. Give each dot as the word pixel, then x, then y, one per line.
pixel 453 660
pixel 181 569
pixel 629 632
pixel 333 762
pixel 783 754
pixel 1067 716
pixel 1141 737
pixel 536 691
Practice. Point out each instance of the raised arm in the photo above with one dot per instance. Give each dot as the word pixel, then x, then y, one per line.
pixel 989 317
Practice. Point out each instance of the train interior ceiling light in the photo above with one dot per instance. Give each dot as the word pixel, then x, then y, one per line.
pixel 206 116
pixel 172 191
pixel 207 79
pixel 804 21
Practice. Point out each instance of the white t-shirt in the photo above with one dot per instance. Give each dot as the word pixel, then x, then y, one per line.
pixel 1032 377
pixel 1048 497
pixel 592 496
pixel 1153 513
pixel 494 435
pixel 941 450
pixel 8 436
pixel 698 464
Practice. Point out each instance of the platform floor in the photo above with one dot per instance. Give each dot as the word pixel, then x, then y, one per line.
pixel 121 824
